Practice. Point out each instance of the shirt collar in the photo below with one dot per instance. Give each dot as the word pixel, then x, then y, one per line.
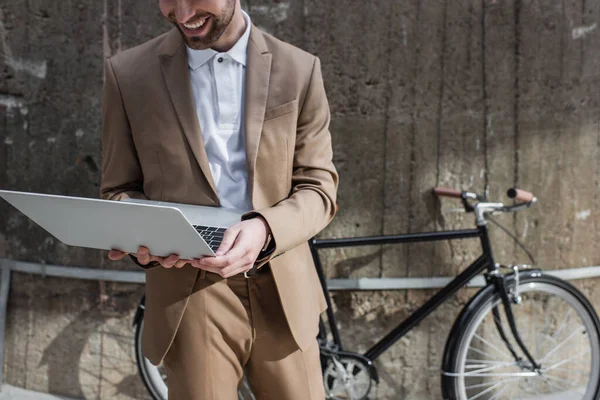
pixel 197 58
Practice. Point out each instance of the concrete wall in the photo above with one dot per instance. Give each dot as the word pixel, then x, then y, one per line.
pixel 457 93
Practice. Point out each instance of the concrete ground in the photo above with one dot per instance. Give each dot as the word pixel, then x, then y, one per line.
pixel 9 392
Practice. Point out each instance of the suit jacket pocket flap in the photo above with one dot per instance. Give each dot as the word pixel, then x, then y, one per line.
pixel 280 110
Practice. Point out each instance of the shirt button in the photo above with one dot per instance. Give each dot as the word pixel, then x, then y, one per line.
pixel 220 59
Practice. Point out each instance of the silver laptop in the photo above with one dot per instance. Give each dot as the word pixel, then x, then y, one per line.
pixel 165 228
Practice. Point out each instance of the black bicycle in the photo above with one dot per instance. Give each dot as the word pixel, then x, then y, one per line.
pixel 524 335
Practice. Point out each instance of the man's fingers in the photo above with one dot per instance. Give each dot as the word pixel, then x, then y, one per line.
pixel 235 269
pixel 229 271
pixel 143 250
pixel 234 256
pixel 229 238
pixel 158 259
pixel 115 255
pixel 196 263
pixel 241 265
pixel 181 263
pixel 143 255
pixel 170 261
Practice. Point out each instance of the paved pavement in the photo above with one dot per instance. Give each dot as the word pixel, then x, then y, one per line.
pixel 14 393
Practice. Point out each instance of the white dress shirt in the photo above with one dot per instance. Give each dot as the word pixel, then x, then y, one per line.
pixel 218 84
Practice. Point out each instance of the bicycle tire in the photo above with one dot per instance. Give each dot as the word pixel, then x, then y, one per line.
pixel 460 379
pixel 149 373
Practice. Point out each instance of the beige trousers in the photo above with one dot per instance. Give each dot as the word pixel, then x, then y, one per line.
pixel 235 326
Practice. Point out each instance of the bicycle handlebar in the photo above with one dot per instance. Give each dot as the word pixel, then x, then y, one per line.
pixel 447 192
pixel 524 198
pixel 520 195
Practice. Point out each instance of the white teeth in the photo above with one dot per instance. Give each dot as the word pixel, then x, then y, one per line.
pixel 196 25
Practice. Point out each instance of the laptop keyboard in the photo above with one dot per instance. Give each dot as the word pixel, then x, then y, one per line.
pixel 211 235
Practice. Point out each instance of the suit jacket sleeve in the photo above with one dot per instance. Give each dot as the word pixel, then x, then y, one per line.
pixel 311 204
pixel 122 175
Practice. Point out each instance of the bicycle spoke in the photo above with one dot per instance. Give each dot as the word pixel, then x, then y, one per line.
pixel 487 390
pixel 471 362
pixel 504 353
pixel 483 353
pixel 559 330
pixel 561 344
pixel 563 325
pixel 497 395
pixel 475 360
pixel 566 351
pixel 491 383
pixel 578 371
pixel 568 360
pixel 556 378
pixel 487 369
pixel 562 389
pixel 525 374
pixel 538 345
pixel 536 350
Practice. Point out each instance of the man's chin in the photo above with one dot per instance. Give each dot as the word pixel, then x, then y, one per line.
pixel 196 43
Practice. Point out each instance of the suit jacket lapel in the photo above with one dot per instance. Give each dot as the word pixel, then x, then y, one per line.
pixel 175 70
pixel 258 73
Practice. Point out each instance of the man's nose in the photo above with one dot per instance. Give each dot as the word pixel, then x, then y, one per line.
pixel 184 10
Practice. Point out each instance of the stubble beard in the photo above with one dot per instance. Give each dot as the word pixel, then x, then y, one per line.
pixel 219 26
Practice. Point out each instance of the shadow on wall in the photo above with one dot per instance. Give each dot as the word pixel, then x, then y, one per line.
pixel 429 205
pixel 80 357
pixel 63 355
pixel 128 386
pixel 346 267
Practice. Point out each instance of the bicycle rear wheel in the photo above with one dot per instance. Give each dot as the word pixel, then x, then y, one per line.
pixel 559 328
pixel 154 377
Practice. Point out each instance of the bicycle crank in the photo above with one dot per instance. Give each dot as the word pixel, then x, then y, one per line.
pixel 348 376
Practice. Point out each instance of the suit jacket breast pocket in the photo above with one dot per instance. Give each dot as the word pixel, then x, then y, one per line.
pixel 281 110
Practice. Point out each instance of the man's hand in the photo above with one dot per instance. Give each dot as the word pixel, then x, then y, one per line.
pixel 144 257
pixel 239 249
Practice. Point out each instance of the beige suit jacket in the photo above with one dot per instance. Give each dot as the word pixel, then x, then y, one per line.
pixel 152 148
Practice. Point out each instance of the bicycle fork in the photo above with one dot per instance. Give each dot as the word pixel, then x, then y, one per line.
pixel 501 283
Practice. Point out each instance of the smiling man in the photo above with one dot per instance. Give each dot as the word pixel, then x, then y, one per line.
pixel 216 112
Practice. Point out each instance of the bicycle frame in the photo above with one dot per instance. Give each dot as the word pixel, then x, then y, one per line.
pixel 485 261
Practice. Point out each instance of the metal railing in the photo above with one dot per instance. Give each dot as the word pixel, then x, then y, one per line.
pixel 8 266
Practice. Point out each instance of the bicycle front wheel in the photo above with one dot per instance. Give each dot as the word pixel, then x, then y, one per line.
pixel 558 326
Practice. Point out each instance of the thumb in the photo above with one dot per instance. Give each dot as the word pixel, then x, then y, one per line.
pixel 228 240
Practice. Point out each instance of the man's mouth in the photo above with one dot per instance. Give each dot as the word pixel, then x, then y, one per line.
pixel 197 25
